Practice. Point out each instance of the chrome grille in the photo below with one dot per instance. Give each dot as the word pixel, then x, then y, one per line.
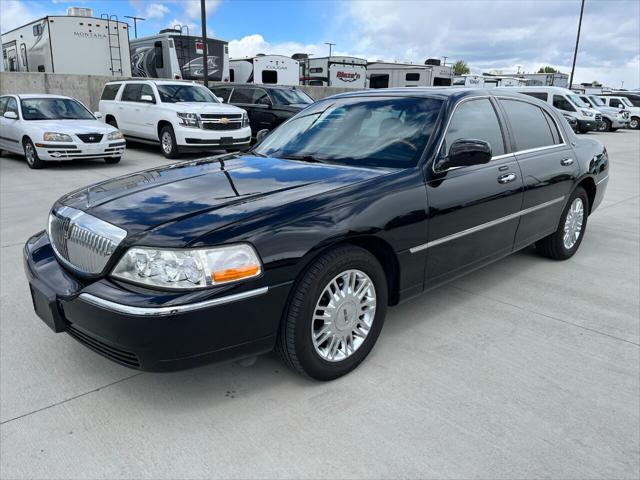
pixel 82 241
pixel 219 116
pixel 90 137
pixel 598 117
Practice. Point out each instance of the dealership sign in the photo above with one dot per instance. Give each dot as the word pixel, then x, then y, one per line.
pixel 347 76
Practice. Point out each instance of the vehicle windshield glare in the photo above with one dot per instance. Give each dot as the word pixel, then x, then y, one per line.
pixel 597 101
pixel 185 93
pixel 291 97
pixel 577 101
pixel 626 101
pixel 54 109
pixel 374 132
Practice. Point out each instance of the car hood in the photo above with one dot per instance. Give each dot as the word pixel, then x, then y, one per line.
pixel 609 110
pixel 203 107
pixel 72 126
pixel 176 204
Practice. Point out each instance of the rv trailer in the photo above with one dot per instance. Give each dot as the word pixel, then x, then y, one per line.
pixel 394 75
pixel 76 43
pixel 265 69
pixel 334 71
pixel 175 54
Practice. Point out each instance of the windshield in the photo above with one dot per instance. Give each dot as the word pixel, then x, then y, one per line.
pixel 597 101
pixel 376 132
pixel 291 97
pixel 185 93
pixel 577 101
pixel 54 109
pixel 626 101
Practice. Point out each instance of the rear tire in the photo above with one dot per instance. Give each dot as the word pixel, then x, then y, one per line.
pixel 634 124
pixel 565 241
pixel 349 286
pixel 168 143
pixel 112 160
pixel 31 155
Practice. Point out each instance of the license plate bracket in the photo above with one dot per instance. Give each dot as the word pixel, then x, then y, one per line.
pixel 47 308
pixel 226 140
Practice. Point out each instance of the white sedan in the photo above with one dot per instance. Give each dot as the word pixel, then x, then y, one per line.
pixel 55 128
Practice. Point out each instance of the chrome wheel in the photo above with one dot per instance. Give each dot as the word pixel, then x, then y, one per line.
pixel 343 315
pixel 29 153
pixel 167 142
pixel 603 127
pixel 633 123
pixel 573 224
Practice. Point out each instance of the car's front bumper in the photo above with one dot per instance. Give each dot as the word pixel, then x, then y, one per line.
pixel 619 122
pixel 587 125
pixel 200 138
pixel 57 151
pixel 150 332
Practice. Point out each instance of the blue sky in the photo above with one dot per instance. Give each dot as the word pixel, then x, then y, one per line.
pixel 491 35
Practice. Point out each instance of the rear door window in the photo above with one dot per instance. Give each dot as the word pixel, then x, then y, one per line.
pixel 476 120
pixel 242 95
pixel 614 102
pixel 538 95
pixel 223 93
pixel 110 91
pixel 131 92
pixel 530 125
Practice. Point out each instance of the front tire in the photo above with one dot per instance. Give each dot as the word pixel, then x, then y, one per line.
pixel 634 124
pixel 335 314
pixel 565 241
pixel 168 143
pixel 605 126
pixel 31 155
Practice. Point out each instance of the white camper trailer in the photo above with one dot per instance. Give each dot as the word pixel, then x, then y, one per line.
pixel 77 43
pixel 265 69
pixel 349 72
pixel 175 54
pixel 468 80
pixel 394 75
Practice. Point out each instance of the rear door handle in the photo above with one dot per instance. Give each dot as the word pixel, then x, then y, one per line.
pixel 565 162
pixel 507 177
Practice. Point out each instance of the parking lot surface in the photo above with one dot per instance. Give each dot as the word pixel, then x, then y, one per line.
pixel 526 368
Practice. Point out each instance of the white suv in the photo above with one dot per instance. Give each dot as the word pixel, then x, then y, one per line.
pixel 179 115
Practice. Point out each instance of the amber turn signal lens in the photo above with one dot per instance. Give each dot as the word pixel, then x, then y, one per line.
pixel 235 273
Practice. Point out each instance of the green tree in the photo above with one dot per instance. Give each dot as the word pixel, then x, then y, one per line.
pixel 461 68
pixel 548 69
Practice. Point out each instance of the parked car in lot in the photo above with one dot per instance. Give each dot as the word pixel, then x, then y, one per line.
pixel 267 106
pixel 612 118
pixel 47 128
pixel 359 202
pixel 567 102
pixel 178 115
pixel 621 101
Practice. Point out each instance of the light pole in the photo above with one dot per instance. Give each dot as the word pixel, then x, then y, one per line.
pixel 575 52
pixel 135 23
pixel 205 55
pixel 330 45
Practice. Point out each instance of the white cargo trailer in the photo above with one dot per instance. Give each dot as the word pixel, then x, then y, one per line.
pixel 394 75
pixel 265 69
pixel 334 71
pixel 174 53
pixel 77 43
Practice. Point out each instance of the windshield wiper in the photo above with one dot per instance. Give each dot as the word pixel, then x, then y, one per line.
pixel 303 158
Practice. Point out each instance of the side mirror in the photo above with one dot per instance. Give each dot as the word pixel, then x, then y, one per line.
pixel 147 99
pixel 10 115
pixel 97 114
pixel 220 99
pixel 465 153
pixel 261 134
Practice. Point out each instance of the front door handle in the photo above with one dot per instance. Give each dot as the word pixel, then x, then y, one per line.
pixel 565 162
pixel 506 178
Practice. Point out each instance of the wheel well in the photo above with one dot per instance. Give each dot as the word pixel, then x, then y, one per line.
pixel 161 125
pixel 590 187
pixel 110 117
pixel 387 258
pixel 24 138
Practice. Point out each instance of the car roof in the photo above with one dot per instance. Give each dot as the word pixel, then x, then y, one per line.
pixel 155 80
pixel 454 93
pixel 41 95
pixel 258 85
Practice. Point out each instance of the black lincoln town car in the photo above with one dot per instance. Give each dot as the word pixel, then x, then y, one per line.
pixel 359 202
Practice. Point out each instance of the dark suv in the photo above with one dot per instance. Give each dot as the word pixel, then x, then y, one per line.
pixel 267 106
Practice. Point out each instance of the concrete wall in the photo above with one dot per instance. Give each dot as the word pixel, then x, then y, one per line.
pixel 87 88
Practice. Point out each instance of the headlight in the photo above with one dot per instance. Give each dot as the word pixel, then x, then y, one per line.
pixel 56 137
pixel 245 120
pixel 188 269
pixel 587 113
pixel 188 119
pixel 117 135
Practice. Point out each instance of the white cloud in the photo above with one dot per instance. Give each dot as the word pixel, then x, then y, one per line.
pixel 253 44
pixel 14 13
pixel 156 10
pixel 192 7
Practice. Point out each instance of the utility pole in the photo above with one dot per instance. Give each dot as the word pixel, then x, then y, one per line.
pixel 575 52
pixel 330 45
pixel 135 23
pixel 444 61
pixel 205 55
